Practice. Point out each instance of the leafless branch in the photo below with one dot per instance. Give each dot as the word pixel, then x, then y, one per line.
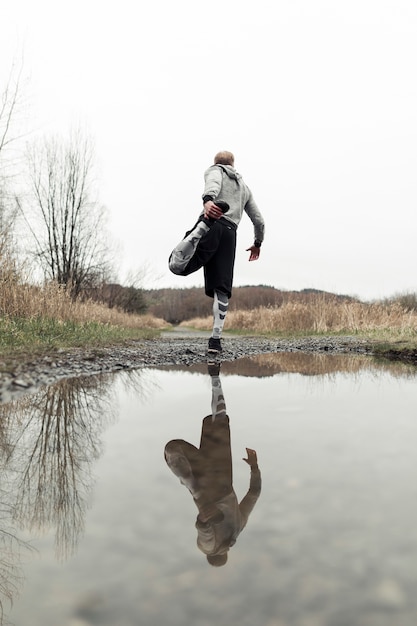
pixel 66 220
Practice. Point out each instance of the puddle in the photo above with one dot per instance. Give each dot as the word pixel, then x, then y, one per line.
pixel 97 528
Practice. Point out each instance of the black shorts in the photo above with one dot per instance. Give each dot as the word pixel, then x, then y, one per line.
pixel 216 253
pixel 218 271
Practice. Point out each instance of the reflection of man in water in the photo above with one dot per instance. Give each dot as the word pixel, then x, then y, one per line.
pixel 207 474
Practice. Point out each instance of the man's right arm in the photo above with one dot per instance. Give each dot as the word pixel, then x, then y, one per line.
pixel 212 186
pixel 212 183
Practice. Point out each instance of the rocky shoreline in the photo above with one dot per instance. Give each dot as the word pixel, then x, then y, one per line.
pixel 27 375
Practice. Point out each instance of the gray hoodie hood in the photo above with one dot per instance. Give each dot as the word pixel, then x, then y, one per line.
pixel 230 171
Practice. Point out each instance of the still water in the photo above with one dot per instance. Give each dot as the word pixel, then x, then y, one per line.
pixel 104 523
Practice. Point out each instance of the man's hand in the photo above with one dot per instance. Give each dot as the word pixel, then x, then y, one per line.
pixel 252 459
pixel 212 210
pixel 254 253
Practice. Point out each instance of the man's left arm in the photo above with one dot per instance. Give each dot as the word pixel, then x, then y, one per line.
pixel 251 498
pixel 258 222
pixel 255 251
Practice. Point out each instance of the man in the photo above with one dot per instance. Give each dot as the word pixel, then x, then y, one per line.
pixel 211 243
pixel 207 474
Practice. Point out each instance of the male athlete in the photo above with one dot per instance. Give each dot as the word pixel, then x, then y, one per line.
pixel 211 243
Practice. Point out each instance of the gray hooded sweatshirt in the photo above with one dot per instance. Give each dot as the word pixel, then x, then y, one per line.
pixel 222 182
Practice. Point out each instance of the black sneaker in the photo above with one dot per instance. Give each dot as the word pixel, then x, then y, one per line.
pixel 214 346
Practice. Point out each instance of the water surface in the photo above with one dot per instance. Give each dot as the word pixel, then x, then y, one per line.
pixel 97 529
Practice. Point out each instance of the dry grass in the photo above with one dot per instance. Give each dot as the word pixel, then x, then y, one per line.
pixel 52 302
pixel 321 315
pixel 36 319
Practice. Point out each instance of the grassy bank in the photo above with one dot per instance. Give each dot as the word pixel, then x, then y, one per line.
pixel 40 319
pixel 391 328
pixel 42 334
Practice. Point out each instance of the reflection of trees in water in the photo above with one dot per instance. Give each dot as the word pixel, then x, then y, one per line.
pixel 140 383
pixel 10 569
pixel 54 436
pixel 48 444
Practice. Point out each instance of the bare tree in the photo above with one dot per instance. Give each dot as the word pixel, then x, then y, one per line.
pixel 7 219
pixel 63 214
pixel 11 106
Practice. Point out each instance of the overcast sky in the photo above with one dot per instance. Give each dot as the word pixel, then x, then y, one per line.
pixel 316 98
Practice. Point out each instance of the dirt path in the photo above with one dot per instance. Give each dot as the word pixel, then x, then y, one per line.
pixel 182 347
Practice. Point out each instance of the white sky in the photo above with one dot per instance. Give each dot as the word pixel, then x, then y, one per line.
pixel 316 98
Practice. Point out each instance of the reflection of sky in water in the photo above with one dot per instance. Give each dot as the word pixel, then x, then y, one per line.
pixel 330 542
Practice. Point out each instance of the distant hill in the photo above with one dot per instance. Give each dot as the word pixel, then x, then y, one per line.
pixel 178 305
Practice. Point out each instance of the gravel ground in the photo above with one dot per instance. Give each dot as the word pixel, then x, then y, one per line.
pixel 182 348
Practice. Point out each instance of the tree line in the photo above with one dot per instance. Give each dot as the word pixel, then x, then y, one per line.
pixel 179 305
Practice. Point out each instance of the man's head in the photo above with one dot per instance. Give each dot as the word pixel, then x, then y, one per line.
pixel 217 560
pixel 224 158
